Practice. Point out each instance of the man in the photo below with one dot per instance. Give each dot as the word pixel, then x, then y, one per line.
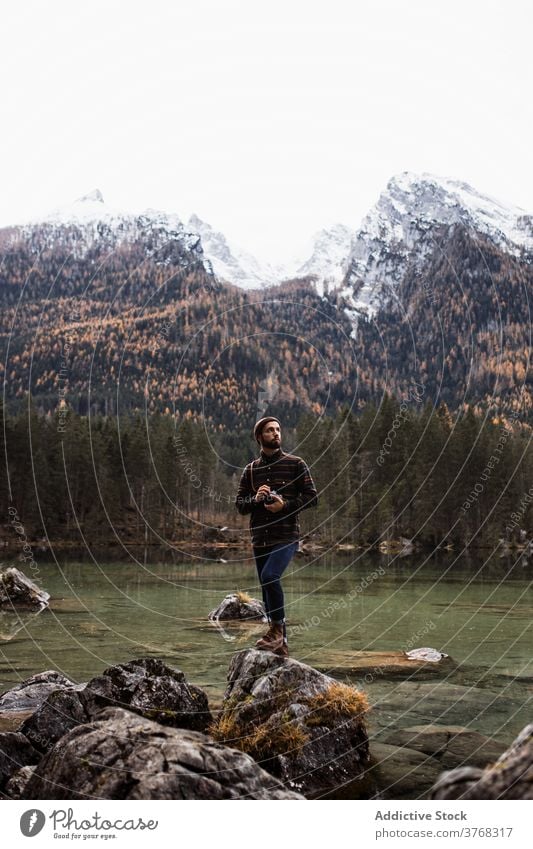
pixel 273 489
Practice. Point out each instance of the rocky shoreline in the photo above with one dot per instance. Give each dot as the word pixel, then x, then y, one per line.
pixel 218 541
pixel 283 729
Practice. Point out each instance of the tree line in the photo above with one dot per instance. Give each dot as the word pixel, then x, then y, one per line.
pixel 404 468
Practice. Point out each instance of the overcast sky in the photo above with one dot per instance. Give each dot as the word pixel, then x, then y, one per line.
pixel 269 120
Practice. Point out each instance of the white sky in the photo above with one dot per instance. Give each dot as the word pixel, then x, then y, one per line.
pixel 269 120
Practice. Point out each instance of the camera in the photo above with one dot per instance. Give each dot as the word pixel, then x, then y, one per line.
pixel 268 498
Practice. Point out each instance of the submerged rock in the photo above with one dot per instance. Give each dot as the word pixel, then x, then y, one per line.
pixel 146 686
pixel 14 621
pixel 510 777
pixel 416 663
pixel 401 772
pixel 124 756
pixel 301 725
pixel 452 745
pixel 239 606
pixel 17 590
pixel 411 703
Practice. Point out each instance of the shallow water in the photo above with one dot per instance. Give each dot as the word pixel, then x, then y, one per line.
pixel 478 613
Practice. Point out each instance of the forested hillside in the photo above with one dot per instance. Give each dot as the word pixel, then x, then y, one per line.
pixel 397 470
pixel 134 330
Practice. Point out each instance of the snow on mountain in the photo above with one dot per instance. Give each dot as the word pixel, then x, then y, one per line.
pixel 88 220
pixel 395 231
pixel 330 255
pixel 327 262
pixel 232 264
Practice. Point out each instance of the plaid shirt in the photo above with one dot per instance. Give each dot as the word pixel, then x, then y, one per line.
pixel 289 476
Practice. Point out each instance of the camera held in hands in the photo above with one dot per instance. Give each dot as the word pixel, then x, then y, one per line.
pixel 268 499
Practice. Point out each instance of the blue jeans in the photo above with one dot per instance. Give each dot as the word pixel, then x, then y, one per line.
pixel 271 562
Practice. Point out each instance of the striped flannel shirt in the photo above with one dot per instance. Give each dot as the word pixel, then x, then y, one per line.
pixel 289 476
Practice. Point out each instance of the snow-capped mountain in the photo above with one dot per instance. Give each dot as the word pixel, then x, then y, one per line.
pixel 231 263
pixel 329 260
pixel 327 263
pixel 89 220
pixel 397 231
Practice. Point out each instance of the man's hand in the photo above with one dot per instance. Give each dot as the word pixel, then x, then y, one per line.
pixel 276 505
pixel 263 490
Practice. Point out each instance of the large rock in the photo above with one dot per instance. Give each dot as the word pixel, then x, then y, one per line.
pixel 59 713
pixel 401 664
pixel 150 687
pixel 301 725
pixel 146 686
pixel 238 606
pixel 31 693
pixel 17 590
pixel 510 777
pixel 15 752
pixel 16 786
pixel 124 756
pixel 452 745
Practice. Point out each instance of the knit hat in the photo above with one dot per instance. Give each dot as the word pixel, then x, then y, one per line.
pixel 261 423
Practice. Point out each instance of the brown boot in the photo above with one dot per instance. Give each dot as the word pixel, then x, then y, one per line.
pixel 262 642
pixel 283 651
pixel 275 641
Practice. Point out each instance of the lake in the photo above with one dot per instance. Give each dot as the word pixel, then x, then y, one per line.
pixel 479 612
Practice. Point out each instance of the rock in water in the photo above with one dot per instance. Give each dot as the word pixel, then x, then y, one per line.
pixel 150 687
pixel 16 590
pixel 452 745
pixel 123 756
pixel 31 693
pixel 13 621
pixel 510 777
pixel 428 655
pixel 239 606
pixel 301 725
pixel 146 686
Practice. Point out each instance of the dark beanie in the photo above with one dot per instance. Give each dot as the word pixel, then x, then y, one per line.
pixel 261 423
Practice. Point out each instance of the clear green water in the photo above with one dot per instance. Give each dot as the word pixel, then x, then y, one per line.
pixel 478 613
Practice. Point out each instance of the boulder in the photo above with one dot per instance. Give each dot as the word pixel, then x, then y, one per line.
pixel 150 687
pixel 16 786
pixel 400 664
pixel 15 752
pixel 452 745
pixel 239 606
pixel 124 756
pixel 510 777
pixel 17 590
pixel 146 686
pixel 302 726
pixel 31 693
pixel 59 713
